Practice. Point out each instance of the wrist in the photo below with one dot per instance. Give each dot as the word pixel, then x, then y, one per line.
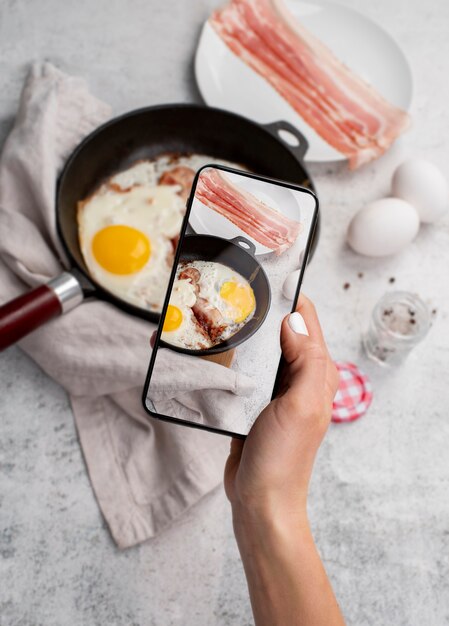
pixel 269 521
pixel 274 546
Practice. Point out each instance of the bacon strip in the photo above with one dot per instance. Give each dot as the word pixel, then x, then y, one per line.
pixel 344 110
pixel 180 175
pixel 267 226
pixel 208 317
pixel 193 276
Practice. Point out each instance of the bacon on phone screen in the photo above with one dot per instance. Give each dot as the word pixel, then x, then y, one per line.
pixel 343 109
pixel 191 274
pixel 208 317
pixel 179 175
pixel 267 226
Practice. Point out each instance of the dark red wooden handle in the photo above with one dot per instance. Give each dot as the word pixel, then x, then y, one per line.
pixel 22 315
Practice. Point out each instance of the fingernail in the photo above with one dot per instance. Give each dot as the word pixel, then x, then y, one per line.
pixel 297 324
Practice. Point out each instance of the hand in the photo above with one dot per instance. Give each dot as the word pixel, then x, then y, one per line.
pixel 267 479
pixel 270 471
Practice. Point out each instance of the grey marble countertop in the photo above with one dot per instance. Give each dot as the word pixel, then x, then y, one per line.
pixel 379 499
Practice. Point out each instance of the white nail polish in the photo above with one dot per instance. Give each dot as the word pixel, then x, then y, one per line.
pixel 297 324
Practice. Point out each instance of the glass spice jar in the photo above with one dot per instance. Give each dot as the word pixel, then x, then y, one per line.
pixel 399 321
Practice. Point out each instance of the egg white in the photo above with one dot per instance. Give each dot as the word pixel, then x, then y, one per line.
pixel 157 212
pixel 189 334
pixel 141 173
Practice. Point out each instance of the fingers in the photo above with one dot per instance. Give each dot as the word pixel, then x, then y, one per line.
pixel 309 366
pixel 303 355
pixel 231 468
pixel 300 329
pixel 305 376
pixel 153 339
pixel 292 340
pixel 308 312
pixel 306 308
pixel 236 447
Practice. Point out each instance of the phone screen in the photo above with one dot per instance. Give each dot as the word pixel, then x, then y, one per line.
pixel 217 350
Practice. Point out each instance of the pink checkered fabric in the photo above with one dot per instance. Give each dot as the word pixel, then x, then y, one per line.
pixel 354 394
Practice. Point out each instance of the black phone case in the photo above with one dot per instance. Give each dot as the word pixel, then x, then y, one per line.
pixel 174 420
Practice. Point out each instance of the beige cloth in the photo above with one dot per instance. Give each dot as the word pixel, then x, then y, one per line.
pixel 144 472
pixel 176 380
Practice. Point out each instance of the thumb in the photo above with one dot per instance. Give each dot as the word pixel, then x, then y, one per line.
pixel 293 331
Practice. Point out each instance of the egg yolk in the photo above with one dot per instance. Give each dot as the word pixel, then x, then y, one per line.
pixel 240 298
pixel 173 318
pixel 121 249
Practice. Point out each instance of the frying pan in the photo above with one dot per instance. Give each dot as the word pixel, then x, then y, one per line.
pixel 145 134
pixel 238 254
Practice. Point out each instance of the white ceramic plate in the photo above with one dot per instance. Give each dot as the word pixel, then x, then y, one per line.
pixel 228 83
pixel 205 221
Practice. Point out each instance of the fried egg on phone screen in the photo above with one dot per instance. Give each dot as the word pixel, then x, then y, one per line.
pixel 180 326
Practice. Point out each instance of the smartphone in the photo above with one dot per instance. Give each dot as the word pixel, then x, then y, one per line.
pixel 216 356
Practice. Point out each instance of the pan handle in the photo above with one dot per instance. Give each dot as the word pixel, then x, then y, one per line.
pixel 21 316
pixel 300 149
pixel 244 243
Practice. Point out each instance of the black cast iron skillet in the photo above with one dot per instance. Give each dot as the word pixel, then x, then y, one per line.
pixel 238 254
pixel 142 134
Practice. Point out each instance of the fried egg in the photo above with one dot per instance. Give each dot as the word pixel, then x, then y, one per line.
pixel 226 290
pixel 126 240
pixel 180 326
pixel 220 287
pixel 128 229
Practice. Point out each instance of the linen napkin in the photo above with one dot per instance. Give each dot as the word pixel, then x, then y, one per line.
pixel 145 473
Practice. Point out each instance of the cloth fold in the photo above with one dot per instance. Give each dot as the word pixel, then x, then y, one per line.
pixel 176 380
pixel 144 472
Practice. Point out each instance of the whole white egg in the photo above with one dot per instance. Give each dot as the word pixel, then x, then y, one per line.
pixel 422 184
pixel 383 227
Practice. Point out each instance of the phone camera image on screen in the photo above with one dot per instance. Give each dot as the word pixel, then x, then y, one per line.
pixel 217 349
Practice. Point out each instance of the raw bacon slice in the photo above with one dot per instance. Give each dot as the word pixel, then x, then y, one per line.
pixel 267 226
pixel 344 110
pixel 180 175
